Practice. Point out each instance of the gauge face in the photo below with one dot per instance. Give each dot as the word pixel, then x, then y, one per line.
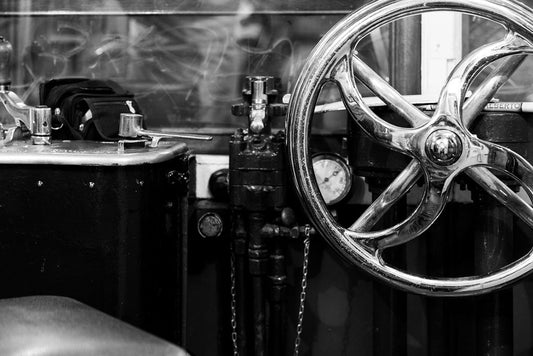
pixel 333 177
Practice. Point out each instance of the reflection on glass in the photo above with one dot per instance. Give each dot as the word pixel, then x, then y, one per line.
pixel 185 68
pixel 185 61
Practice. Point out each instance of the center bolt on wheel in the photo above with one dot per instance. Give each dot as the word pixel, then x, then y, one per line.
pixel 444 147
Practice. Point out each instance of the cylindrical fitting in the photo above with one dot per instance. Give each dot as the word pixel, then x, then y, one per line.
pixel 41 125
pixel 258 90
pixel 130 125
pixel 6 51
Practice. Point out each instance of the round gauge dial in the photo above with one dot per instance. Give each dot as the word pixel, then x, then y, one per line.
pixel 333 177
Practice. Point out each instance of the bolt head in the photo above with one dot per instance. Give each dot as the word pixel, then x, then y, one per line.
pixel 444 147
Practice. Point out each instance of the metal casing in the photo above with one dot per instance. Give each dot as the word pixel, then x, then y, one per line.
pixel 83 220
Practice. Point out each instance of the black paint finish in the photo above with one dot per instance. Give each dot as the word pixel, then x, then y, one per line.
pixel 106 236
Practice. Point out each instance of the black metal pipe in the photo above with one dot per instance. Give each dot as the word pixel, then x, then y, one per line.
pixel 241 273
pixel 258 264
pixel 390 305
pixel 437 323
pixel 390 312
pixel 494 249
pixel 278 278
pixel 182 273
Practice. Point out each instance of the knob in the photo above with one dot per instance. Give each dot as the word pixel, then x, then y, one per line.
pixel 210 225
pixel 218 184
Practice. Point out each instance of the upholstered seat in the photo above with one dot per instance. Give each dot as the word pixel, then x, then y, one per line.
pixel 58 326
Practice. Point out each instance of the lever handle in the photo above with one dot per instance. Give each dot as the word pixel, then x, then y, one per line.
pixel 131 127
pixel 6 51
pixel 175 135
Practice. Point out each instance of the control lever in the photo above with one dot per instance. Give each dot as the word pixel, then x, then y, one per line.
pixel 38 120
pixel 131 127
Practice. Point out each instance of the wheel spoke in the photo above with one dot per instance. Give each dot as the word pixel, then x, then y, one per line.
pixel 501 192
pixel 488 88
pixel 394 192
pixel 421 219
pixel 392 136
pixel 387 93
pixel 503 159
pixel 452 95
pixel 471 108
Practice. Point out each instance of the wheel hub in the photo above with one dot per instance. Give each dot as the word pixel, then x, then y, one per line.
pixel 444 147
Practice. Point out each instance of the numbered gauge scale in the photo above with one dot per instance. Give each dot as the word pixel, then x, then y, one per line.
pixel 333 176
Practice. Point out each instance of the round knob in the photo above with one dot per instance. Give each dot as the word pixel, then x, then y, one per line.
pixel 210 225
pixel 444 147
pixel 218 184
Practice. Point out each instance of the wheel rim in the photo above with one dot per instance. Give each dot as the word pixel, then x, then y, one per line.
pixel 325 64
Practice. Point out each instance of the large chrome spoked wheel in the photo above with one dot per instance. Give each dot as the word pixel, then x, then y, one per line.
pixel 441 146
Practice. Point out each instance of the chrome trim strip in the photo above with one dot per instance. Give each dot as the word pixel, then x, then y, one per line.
pixel 87 153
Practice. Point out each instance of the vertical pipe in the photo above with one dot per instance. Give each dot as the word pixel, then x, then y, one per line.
pixel 278 279
pixel 405 64
pixel 390 313
pixel 494 249
pixel 182 273
pixel 390 306
pixel 437 332
pixel 405 55
pixel 241 293
pixel 257 263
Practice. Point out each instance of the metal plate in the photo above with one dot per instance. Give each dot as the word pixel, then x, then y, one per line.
pixel 87 153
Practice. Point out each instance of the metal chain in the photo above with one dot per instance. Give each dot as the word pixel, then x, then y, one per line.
pixel 301 309
pixel 233 308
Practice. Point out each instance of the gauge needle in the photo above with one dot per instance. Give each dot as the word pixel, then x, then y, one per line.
pixel 331 175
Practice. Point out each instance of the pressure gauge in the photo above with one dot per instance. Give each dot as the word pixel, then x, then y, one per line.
pixel 333 177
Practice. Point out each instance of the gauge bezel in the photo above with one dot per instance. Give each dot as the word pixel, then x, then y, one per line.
pixel 343 162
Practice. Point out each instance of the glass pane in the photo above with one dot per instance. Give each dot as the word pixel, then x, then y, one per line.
pixel 169 7
pixel 183 70
pixel 478 32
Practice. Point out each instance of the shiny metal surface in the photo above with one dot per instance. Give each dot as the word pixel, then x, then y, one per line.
pixel 443 147
pixel 6 51
pixel 38 120
pixel 429 104
pixel 258 103
pixel 130 126
pixel 60 326
pixel 41 125
pixel 87 153
pixel 333 175
pixel 335 59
